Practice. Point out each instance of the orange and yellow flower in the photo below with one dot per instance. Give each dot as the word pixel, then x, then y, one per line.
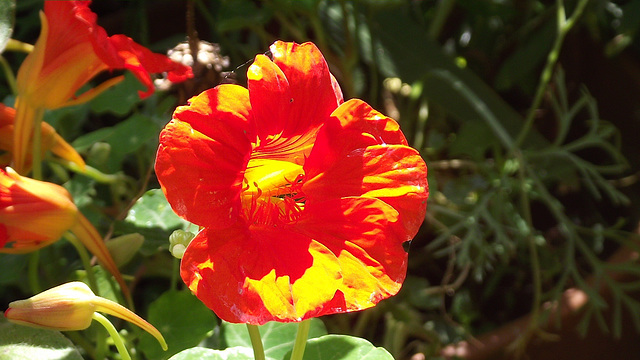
pixel 72 48
pixel 50 140
pixel 304 201
pixel 34 214
pixel 70 51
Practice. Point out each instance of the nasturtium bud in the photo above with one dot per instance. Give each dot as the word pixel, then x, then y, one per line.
pixel 69 307
pixel 65 307
pixel 178 242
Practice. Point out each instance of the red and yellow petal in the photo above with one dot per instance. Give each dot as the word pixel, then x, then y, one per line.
pixel 363 153
pixel 141 62
pixel 260 274
pixel 202 156
pixel 343 255
pixel 292 96
pixel 367 237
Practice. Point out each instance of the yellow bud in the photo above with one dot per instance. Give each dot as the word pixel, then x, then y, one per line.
pixel 71 306
pixel 65 307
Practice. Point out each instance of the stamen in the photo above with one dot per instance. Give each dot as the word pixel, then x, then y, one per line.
pixel 273 207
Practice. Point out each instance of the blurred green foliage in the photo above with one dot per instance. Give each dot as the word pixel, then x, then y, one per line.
pixel 526 113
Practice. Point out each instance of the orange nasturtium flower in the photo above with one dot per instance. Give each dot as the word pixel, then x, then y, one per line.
pixel 71 49
pixel 34 214
pixel 304 201
pixel 50 139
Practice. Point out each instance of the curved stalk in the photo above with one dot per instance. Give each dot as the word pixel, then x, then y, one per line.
pixel 117 340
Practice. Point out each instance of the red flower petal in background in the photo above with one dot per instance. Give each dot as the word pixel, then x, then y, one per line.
pixel 305 201
pixel 71 49
pixel 33 213
pixel 51 140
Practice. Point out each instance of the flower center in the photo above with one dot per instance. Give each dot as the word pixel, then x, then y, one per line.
pixel 271 193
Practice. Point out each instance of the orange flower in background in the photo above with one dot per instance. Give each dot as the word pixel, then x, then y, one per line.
pixel 305 201
pixel 70 51
pixel 34 214
pixel 50 139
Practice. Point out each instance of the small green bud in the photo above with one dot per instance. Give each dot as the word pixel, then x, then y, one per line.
pixel 178 242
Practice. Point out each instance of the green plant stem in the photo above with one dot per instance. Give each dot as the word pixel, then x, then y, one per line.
pixel 301 340
pixel 256 342
pixel 8 73
pixel 19 46
pixel 86 261
pixel 175 274
pixel 533 249
pixel 564 26
pixel 32 271
pixel 117 340
pixel 88 171
pixel 442 11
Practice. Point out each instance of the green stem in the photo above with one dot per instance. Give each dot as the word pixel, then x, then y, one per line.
pixel 443 9
pixel 301 340
pixel 88 171
pixel 86 261
pixel 533 249
pixel 175 274
pixel 32 270
pixel 564 26
pixel 8 73
pixel 117 340
pixel 256 342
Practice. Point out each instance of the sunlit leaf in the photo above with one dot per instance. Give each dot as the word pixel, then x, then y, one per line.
pixel 234 353
pixel 342 347
pixel 7 20
pixel 25 343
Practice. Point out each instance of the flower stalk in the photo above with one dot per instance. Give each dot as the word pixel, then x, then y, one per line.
pixel 301 340
pixel 256 342
pixel 117 340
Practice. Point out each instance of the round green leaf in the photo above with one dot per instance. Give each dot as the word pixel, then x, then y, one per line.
pixel 183 321
pixel 120 99
pixel 277 338
pixel 24 343
pixel 198 353
pixel 7 19
pixel 153 211
pixel 343 347
pixel 153 218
